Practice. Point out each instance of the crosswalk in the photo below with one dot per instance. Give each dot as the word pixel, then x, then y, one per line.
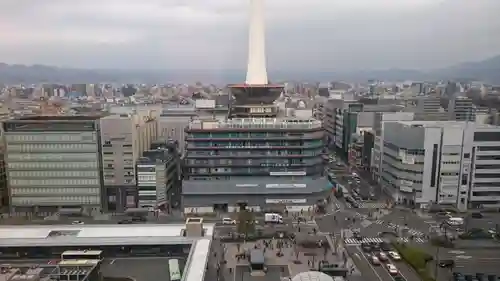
pixel 367 205
pixel 408 240
pixel 310 222
pixel 360 216
pixel 379 222
pixel 372 205
pixel 411 231
pixel 354 241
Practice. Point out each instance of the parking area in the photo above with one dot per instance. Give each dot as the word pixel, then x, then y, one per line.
pixel 143 269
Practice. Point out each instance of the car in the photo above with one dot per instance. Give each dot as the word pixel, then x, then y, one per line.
pixel 125 222
pixel 228 221
pixel 446 263
pixel 394 256
pixel 392 269
pixel 77 222
pixel 375 247
pixel 374 260
pixel 383 256
pixel 366 247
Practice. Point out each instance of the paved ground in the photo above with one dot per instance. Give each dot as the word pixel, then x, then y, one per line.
pixel 279 266
pixel 141 269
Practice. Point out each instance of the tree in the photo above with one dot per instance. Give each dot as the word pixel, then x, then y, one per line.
pixel 246 222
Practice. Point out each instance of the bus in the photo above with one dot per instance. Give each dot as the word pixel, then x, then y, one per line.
pixel 82 255
pixel 173 267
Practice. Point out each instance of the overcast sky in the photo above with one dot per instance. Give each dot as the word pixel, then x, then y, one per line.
pixel 212 34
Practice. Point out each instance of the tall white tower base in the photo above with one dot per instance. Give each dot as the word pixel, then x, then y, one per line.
pixel 256 68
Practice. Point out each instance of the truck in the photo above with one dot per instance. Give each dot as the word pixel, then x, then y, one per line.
pixel 273 218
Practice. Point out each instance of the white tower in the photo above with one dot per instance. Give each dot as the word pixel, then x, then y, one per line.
pixel 256 68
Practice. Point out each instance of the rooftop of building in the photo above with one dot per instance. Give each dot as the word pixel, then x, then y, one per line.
pixel 57 118
pixel 62 235
pixel 446 123
pixel 102 235
pixel 255 123
pixel 33 271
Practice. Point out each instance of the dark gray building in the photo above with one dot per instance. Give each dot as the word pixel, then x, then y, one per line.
pixel 253 162
pixel 53 163
pixel 158 176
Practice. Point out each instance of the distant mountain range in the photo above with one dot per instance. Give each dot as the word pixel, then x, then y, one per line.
pixel 487 70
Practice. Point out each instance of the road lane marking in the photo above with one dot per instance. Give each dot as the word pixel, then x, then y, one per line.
pixel 371 266
pixel 112 262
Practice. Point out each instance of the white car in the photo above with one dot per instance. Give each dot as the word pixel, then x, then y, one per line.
pixel 375 260
pixel 392 269
pixel 77 222
pixel 382 256
pixel 395 256
pixel 228 221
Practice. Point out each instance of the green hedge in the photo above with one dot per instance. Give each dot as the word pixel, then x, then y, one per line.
pixel 416 258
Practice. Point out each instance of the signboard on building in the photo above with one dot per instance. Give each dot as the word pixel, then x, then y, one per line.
pixel 286 185
pixel 286 201
pixel 406 188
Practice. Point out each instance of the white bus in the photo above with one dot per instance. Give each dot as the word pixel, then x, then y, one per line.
pixel 82 255
pixel 173 268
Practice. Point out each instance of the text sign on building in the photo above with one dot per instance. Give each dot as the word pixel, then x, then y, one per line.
pixel 286 185
pixel 299 173
pixel 286 201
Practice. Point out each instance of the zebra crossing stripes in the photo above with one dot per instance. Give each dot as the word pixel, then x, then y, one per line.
pixel 411 231
pixel 354 241
pixel 408 240
pixel 360 216
pixel 372 205
pixel 379 222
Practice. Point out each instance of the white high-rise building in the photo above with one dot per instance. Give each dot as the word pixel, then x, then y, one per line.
pixel 444 162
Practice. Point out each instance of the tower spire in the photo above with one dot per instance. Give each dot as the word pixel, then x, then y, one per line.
pixel 256 68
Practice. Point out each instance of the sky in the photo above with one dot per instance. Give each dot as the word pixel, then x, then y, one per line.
pixel 332 35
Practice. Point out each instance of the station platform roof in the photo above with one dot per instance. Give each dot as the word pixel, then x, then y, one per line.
pixel 102 235
pixel 68 235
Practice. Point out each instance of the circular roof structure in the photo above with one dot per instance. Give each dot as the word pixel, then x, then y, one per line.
pixel 312 276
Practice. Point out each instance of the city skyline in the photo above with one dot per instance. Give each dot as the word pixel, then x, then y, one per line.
pixel 325 35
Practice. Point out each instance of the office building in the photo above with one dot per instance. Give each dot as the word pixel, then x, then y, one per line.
pixel 428 108
pixel 123 139
pixel 442 162
pixel 158 176
pixel 254 159
pixel 461 109
pixel 53 162
pixel 255 162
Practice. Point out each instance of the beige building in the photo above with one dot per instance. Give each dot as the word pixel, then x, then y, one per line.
pixel 123 139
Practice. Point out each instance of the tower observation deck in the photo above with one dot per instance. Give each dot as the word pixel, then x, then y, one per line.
pixel 256 96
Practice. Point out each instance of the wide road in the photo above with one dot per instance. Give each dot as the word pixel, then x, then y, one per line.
pixel 369 271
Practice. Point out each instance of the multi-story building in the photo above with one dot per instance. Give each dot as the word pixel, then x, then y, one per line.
pixel 254 162
pixel 123 139
pixel 461 109
pixel 429 108
pixel 53 162
pixel 442 162
pixel 158 177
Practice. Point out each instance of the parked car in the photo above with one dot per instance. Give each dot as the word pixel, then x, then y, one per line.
pixel 228 221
